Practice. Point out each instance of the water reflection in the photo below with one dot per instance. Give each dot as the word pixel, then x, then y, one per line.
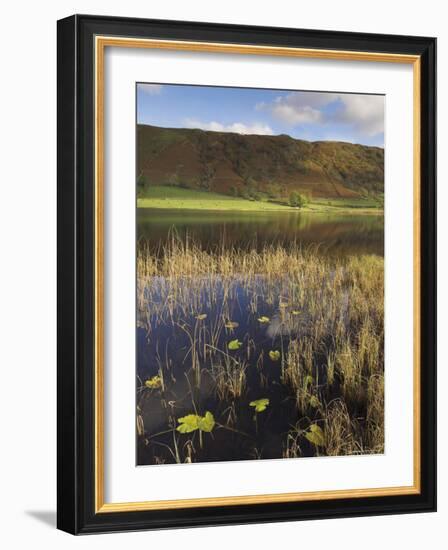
pixel 334 234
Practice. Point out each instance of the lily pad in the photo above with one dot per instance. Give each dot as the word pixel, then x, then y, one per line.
pixel 193 422
pixel 207 422
pixel 274 355
pixel 263 319
pixel 201 316
pixel 260 405
pixel 234 344
pixel 295 312
pixel 188 424
pixel 231 324
pixel 154 382
pixel 315 435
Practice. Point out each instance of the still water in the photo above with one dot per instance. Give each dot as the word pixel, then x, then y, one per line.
pixel 165 338
pixel 335 234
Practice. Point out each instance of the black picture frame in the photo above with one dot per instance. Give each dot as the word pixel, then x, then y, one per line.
pixel 76 254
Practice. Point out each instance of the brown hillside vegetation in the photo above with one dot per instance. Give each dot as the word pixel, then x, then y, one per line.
pixel 276 165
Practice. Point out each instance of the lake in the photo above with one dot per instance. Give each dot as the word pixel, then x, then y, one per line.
pixel 334 234
pixel 230 312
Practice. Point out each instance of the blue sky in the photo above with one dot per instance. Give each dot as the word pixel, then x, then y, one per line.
pixel 314 116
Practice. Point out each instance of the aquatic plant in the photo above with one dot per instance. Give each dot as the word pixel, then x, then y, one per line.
pixel 229 378
pixel 234 345
pixel 154 383
pixel 260 405
pixel 315 435
pixel 330 344
pixel 263 319
pixel 192 422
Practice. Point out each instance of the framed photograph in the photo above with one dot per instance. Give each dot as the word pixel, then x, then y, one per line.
pixel 246 274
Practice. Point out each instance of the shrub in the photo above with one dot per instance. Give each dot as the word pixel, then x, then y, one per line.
pixel 273 190
pixel 297 200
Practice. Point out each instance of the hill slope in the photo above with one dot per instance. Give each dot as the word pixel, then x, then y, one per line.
pixel 235 164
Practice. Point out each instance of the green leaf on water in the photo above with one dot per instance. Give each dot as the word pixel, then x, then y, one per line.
pixel 207 422
pixel 315 435
pixel 234 344
pixel 231 324
pixel 154 382
pixel 295 312
pixel 308 380
pixel 263 319
pixel 260 404
pixel 188 424
pixel 201 316
pixel 274 355
pixel 193 422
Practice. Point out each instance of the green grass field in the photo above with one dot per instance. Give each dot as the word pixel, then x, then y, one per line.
pixel 188 199
pixel 177 198
pixel 364 202
pixel 357 206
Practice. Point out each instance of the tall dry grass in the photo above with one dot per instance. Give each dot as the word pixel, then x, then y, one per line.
pixel 329 315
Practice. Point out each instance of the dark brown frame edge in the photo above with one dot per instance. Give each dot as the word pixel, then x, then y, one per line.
pixel 75 272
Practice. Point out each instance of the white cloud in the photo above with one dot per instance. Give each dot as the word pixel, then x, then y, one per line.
pixel 296 115
pixel 299 107
pixel 151 89
pixel 236 127
pixel 364 113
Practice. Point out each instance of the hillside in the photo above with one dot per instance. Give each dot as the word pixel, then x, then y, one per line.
pixel 245 165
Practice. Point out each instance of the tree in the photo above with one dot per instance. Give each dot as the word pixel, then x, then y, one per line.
pixel 254 195
pixel 297 200
pixel 250 193
pixel 273 190
pixel 244 192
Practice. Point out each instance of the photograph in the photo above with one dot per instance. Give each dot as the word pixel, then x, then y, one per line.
pixel 259 273
pixel 226 214
pixel 246 273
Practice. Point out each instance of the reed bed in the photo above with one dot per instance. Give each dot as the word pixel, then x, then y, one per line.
pixel 308 336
